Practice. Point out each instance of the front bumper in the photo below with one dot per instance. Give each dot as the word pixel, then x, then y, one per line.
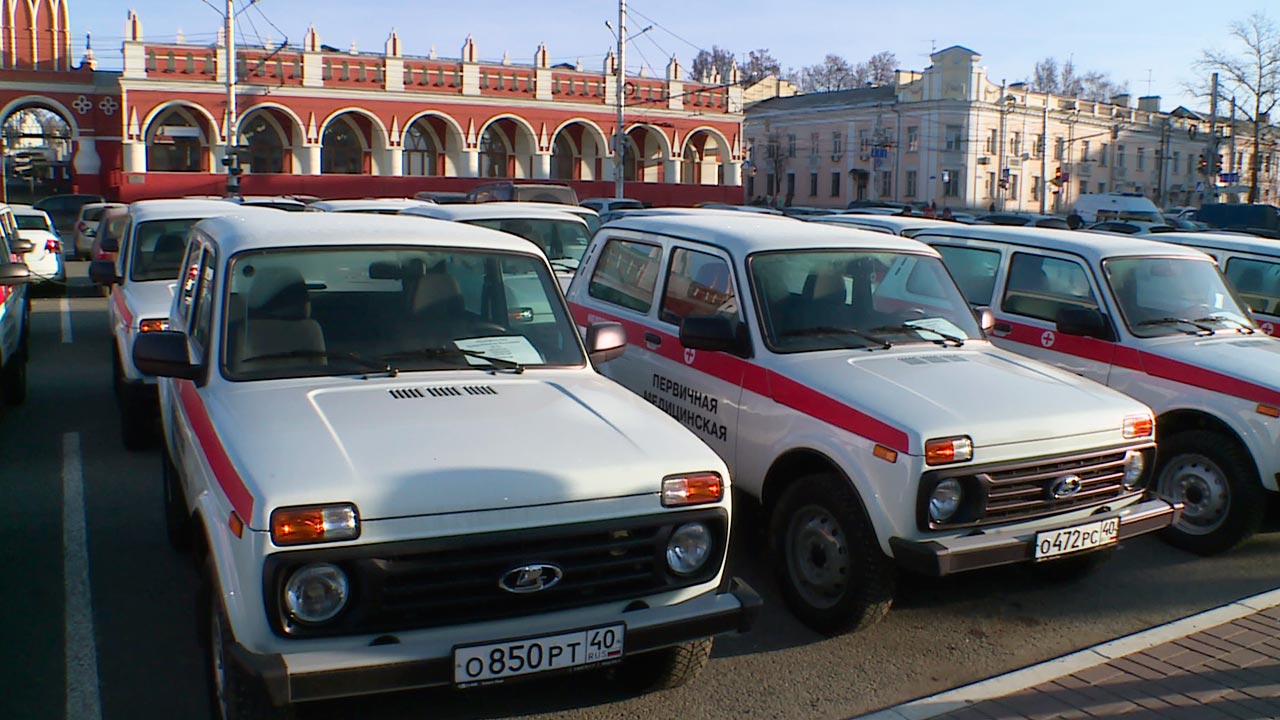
pixel 732 610
pixel 989 549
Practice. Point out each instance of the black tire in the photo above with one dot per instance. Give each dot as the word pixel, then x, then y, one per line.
pixel 667 668
pixel 177 521
pixel 828 563
pixel 233 694
pixel 136 418
pixel 1069 569
pixel 1218 482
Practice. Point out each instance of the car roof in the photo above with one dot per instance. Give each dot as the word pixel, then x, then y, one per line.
pixel 495 211
pixel 366 204
pixel 896 222
pixel 24 209
pixel 1221 241
pixel 249 228
pixel 144 210
pixel 1094 247
pixel 745 233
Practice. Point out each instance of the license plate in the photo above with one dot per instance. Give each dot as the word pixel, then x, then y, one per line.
pixel 495 661
pixel 1074 539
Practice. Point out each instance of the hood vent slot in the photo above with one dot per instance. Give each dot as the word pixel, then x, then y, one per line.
pixel 934 359
pixel 441 392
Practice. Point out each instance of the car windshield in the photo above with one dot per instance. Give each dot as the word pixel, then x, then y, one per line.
pixel 344 311
pixel 157 249
pixel 563 241
pixel 828 299
pixel 1167 296
pixel 33 222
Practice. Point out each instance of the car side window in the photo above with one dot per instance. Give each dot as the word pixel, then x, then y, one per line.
pixel 697 283
pixel 974 270
pixel 1040 287
pixel 201 327
pixel 1256 282
pixel 190 280
pixel 626 274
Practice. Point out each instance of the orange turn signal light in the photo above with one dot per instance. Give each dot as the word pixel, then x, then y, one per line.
pixel 154 325
pixel 321 523
pixel 1136 426
pixel 693 489
pixel 948 450
pixel 1269 410
pixel 888 455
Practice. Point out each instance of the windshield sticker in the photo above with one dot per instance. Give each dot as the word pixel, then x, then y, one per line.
pixel 515 348
pixel 674 398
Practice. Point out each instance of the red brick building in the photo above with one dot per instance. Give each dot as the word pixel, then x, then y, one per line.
pixel 317 120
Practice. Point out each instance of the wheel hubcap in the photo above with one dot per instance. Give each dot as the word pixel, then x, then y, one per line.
pixel 818 556
pixel 1201 486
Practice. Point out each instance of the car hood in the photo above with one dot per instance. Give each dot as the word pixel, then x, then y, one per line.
pixel 993 396
pixel 451 442
pixel 1242 365
pixel 150 299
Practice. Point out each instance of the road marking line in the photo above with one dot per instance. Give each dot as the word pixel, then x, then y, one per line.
pixel 64 308
pixel 79 647
pixel 1032 675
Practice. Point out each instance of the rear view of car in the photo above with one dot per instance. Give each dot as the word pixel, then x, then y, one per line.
pixel 45 258
pixel 86 227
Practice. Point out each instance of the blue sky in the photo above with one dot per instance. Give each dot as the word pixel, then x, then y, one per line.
pixel 1132 40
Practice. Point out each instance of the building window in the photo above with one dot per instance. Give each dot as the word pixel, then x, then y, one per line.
pixel 176 143
pixel 1191 165
pixel 1013 185
pixel 1119 156
pixel 950 183
pixel 1177 160
pixel 1084 151
pixel 886 183
pixel 1102 155
pixel 913 138
pixel 813 144
pixel 770 186
pixel 991 185
pixel 266 146
pixel 1059 148
pixel 1035 187
pixel 837 143
pixel 1102 187
pixel 1142 158
pixel 791 187
pixel 911 183
pixel 420 151
pixel 1037 146
pixel 1084 187
pixel 1015 144
pixel 954 141
pixel 813 184
pixel 835 184
pixel 993 142
pixel 791 146
pixel 494 154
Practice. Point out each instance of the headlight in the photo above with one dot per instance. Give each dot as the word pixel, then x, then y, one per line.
pixel 1134 464
pixel 948 450
pixel 689 548
pixel 316 593
pixel 945 500
pixel 319 523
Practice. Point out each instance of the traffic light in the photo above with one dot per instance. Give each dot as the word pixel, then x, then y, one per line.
pixel 1217 164
pixel 1057 177
pixel 1203 165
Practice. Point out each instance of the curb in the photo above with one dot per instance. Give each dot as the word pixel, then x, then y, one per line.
pixel 1030 676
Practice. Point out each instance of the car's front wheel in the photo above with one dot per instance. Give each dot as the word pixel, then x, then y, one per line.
pixel 667 668
pixel 235 695
pixel 832 573
pixel 1215 479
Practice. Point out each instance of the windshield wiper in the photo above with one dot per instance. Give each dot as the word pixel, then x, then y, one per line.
pixel 832 330
pixel 445 352
pixel 364 362
pixel 1239 326
pixel 1198 324
pixel 942 339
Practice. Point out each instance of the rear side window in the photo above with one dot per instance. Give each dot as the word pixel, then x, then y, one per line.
pixel 1040 287
pixel 697 284
pixel 158 248
pixel 1256 282
pixel 974 270
pixel 626 274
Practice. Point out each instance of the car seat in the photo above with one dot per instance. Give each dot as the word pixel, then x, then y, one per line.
pixel 278 321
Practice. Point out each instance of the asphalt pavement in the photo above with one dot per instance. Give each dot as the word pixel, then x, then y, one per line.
pixel 122 644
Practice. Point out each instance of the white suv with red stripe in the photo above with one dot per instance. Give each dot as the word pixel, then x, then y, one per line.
pixel 1157 322
pixel 142 278
pixel 848 386
pixel 398 474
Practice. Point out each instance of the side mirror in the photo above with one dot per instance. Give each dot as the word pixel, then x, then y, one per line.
pixel 605 341
pixel 19 246
pixel 110 244
pixel 1084 322
pixel 164 353
pixel 715 332
pixel 14 273
pixel 985 317
pixel 103 272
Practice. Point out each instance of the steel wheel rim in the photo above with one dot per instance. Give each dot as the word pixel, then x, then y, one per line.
pixel 817 555
pixel 1198 483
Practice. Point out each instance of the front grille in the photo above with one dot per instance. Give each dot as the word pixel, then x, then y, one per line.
pixel 449 581
pixel 1023 490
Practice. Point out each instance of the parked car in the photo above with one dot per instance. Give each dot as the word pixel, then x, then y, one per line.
pixel 397 518
pixel 106 240
pixel 142 281
pixel 1184 225
pixel 902 225
pixel 1026 219
pixel 45 258
pixel 1251 265
pixel 1258 219
pixel 1158 322
pixel 850 389
pixel 64 210
pixel 15 312
pixel 1133 227
pixel 86 226
pixel 376 206
pixel 441 197
pixel 508 191
pixel 558 232
pixel 606 205
pixel 1096 207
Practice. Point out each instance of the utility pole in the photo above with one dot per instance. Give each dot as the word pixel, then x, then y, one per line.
pixel 1232 147
pixel 620 136
pixel 1210 181
pixel 1043 190
pixel 1000 181
pixel 231 156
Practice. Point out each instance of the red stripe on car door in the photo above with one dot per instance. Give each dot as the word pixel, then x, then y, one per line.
pixel 214 453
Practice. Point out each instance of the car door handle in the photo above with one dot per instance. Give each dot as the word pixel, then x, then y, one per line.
pixel 1002 327
pixel 652 338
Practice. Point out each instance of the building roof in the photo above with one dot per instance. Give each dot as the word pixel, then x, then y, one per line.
pixel 250 228
pixel 834 99
pixel 1093 247
pixel 744 233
